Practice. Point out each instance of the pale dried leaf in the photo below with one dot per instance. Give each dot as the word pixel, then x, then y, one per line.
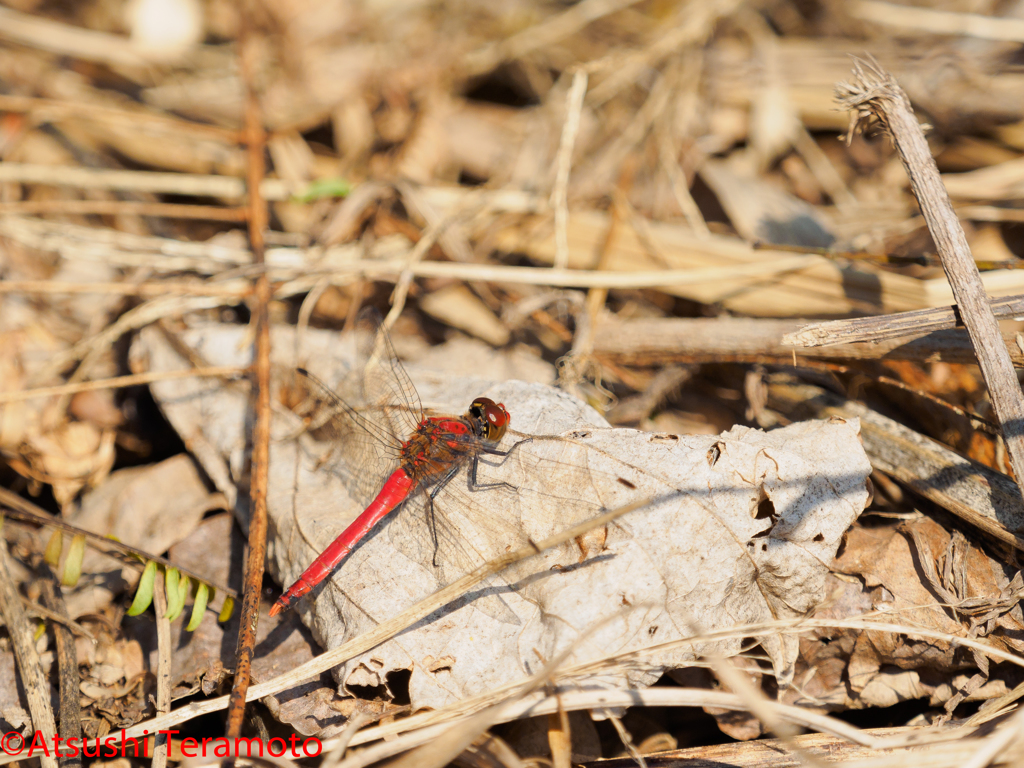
pixel 763 212
pixel 459 307
pixel 741 529
pixel 71 457
pixel 149 507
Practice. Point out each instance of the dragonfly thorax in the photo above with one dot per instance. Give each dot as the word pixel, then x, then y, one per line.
pixel 441 443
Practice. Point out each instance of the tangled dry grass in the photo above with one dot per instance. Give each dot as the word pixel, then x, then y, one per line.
pixel 643 202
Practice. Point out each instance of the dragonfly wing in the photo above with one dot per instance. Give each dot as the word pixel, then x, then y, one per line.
pixel 353 442
pixel 521 499
pixel 424 533
pixel 385 382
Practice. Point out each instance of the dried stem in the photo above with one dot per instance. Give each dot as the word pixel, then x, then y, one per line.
pixel 646 340
pixel 164 653
pixel 884 327
pixel 259 468
pixel 37 689
pixel 119 381
pixel 876 94
pixel 559 195
pixel 163 288
pixel 67 669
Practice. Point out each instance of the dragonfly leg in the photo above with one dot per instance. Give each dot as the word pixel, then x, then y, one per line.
pixel 477 486
pixel 431 520
pixel 504 454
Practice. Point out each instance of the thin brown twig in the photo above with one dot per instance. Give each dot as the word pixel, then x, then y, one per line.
pixel 170 287
pixel 124 207
pixel 260 457
pixel 117 382
pixel 63 108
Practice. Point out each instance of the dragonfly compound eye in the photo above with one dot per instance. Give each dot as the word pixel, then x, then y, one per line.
pixel 491 415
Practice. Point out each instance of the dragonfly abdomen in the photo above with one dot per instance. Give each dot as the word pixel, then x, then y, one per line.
pixel 395 491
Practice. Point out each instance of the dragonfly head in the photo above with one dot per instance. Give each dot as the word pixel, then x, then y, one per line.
pixel 490 417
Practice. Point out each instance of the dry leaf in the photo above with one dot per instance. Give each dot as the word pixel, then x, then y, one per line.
pixel 149 507
pixel 763 212
pixel 740 530
pixel 74 455
pixel 907 571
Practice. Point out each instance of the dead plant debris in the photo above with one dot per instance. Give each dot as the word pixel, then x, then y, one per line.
pixel 617 218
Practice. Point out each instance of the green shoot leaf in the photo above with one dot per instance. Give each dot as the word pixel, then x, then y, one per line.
pixel 53 549
pixel 320 188
pixel 73 562
pixel 177 591
pixel 227 609
pixel 144 594
pixel 198 607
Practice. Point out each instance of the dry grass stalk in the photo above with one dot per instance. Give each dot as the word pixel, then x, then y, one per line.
pixel 37 688
pixel 165 653
pixel 337 749
pixel 832 750
pixel 117 382
pixel 161 288
pixel 119 207
pixel 188 184
pixel 426 726
pixel 549 31
pixel 70 721
pixel 875 93
pixel 54 109
pixel 559 195
pixel 66 40
pixel 885 327
pixel 259 438
pixel 938 22
pixel 649 341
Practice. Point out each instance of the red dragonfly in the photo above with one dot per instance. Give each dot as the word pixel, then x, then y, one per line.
pixel 435 449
